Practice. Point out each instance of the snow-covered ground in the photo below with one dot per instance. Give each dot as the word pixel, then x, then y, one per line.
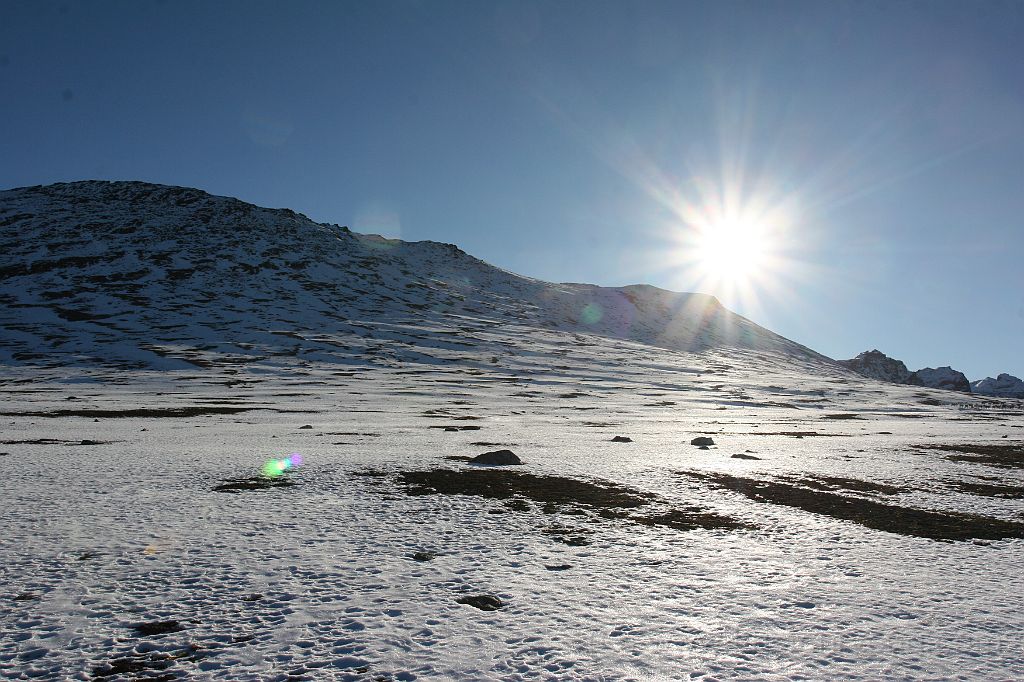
pixel 125 401
pixel 317 580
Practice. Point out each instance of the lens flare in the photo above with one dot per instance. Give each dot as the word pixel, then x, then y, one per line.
pixel 591 313
pixel 275 467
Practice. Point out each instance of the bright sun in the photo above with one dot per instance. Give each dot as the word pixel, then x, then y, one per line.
pixel 732 251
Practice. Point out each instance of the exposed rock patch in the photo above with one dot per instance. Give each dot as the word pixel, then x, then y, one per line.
pixel 253 483
pixel 1008 456
pixel 937 525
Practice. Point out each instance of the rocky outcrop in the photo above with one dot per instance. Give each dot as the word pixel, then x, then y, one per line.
pixel 1003 386
pixel 875 364
pixel 945 378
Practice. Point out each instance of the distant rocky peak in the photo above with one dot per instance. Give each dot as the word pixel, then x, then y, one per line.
pixel 1004 386
pixel 875 364
pixel 940 377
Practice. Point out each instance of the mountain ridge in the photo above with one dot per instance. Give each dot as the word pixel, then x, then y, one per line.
pixel 137 274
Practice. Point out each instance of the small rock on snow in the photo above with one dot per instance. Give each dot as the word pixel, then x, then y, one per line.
pixel 484 602
pixel 497 458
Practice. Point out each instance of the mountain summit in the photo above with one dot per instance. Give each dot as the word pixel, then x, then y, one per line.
pixel 132 274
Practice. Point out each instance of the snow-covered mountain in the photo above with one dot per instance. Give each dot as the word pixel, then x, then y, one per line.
pixel 1003 386
pixel 131 274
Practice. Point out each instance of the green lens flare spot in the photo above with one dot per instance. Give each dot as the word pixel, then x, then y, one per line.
pixel 591 314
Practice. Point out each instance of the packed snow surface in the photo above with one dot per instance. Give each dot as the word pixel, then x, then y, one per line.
pixel 837 528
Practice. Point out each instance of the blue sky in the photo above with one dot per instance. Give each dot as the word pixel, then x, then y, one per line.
pixel 561 139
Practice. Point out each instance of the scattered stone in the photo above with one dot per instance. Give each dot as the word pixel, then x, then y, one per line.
pixel 702 441
pixel 307 426
pixel 558 567
pixel 157 627
pixel 424 556
pixel 484 602
pixel 622 439
pixel 497 458
pixel 255 596
pixel 743 456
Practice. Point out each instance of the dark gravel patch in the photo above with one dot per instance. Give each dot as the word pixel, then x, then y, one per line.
pixel 691 518
pixel 253 483
pixel 148 412
pixel 936 525
pixel 1007 456
pixel 157 627
pixel 833 483
pixel 1009 492
pixel 502 484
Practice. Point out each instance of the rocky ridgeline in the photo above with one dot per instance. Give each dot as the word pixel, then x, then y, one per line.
pixel 1003 386
pixel 132 275
pixel 875 364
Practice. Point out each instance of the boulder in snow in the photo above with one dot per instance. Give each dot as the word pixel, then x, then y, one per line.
pixel 497 458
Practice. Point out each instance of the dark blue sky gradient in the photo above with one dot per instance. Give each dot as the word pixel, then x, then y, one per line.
pixel 543 137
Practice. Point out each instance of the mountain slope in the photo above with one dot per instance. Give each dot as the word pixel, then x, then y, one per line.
pixel 130 274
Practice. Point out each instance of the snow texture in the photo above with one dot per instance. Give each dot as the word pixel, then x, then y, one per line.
pixel 158 342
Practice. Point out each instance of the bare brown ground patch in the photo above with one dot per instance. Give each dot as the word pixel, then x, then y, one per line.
pixel 1008 456
pixel 937 525
pixel 588 500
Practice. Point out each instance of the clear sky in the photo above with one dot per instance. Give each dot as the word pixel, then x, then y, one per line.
pixel 878 145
